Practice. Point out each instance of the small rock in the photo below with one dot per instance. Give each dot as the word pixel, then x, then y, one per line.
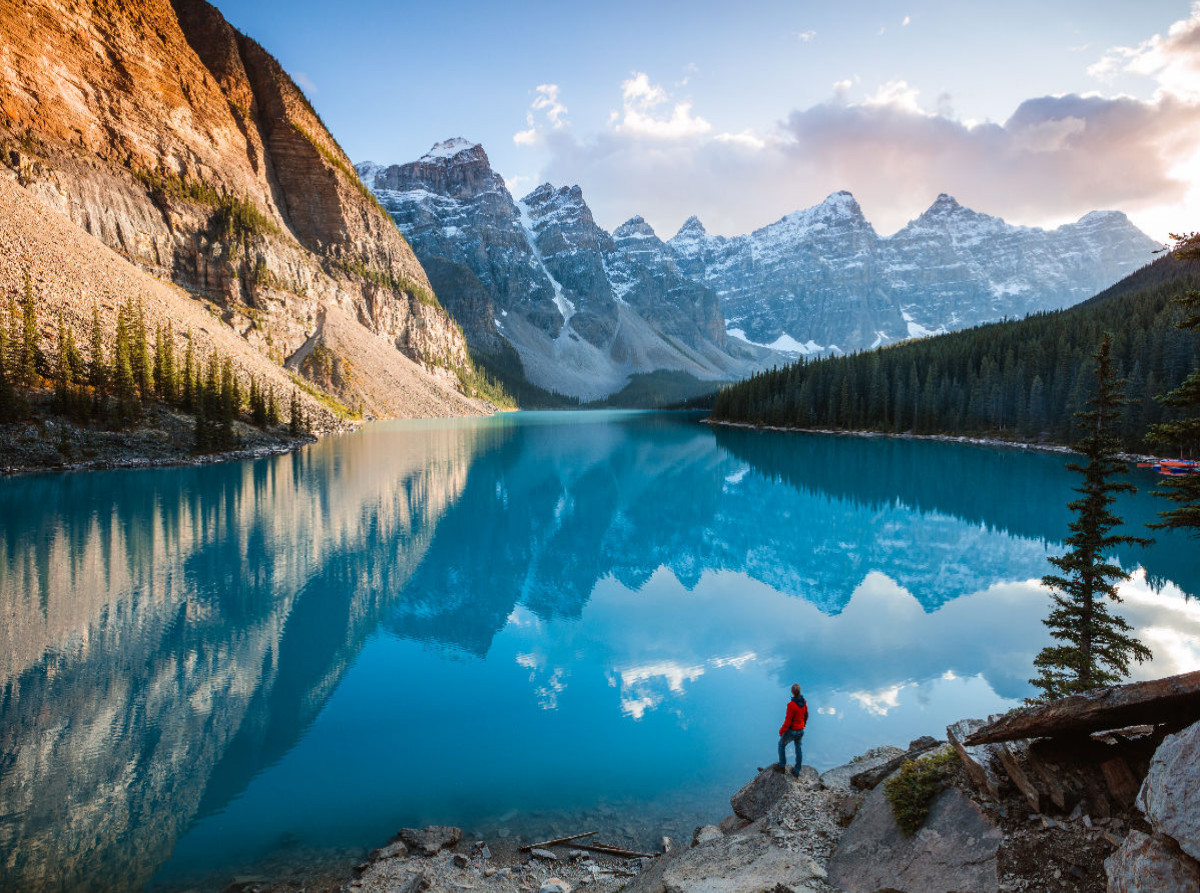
pixel 488 871
pixel 394 850
pixel 705 834
pixel 925 742
pixel 665 843
pixel 430 841
pixel 504 872
pixel 544 855
pixel 554 885
pixel 460 860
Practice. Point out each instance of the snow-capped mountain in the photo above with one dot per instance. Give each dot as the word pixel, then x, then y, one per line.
pixel 821 280
pixel 583 310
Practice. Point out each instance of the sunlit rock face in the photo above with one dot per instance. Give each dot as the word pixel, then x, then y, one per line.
pixel 822 280
pixel 536 283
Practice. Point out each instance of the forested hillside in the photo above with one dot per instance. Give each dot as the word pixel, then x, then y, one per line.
pixel 1019 380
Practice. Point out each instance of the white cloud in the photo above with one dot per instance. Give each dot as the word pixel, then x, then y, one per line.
pixel 642 114
pixel 1173 62
pixel 907 21
pixel 896 95
pixel 547 106
pixel 806 36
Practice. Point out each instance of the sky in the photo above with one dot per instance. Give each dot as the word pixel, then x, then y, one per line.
pixel 740 113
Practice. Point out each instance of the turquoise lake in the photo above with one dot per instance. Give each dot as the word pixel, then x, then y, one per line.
pixel 522 625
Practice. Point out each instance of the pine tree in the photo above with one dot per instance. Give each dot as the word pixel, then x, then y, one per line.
pixel 142 362
pixel 124 380
pixel 64 376
pixel 1095 646
pixel 273 418
pixel 27 364
pixel 8 393
pixel 189 375
pixel 229 401
pixel 1183 433
pixel 296 416
pixel 97 371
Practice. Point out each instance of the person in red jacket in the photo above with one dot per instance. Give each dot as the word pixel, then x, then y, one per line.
pixel 792 730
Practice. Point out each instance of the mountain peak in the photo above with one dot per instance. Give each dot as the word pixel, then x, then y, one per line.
pixel 635 227
pixel 1102 217
pixel 692 227
pixel 841 204
pixel 450 148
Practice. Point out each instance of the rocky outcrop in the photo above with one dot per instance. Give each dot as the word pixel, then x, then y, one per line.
pixel 429 841
pixel 1170 795
pixel 955 850
pixel 182 145
pixel 540 288
pixel 822 280
pixel 755 799
pixel 1151 864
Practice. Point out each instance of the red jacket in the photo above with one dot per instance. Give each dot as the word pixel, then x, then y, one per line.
pixel 797 716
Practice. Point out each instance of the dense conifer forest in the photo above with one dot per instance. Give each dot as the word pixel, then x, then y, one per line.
pixel 1015 380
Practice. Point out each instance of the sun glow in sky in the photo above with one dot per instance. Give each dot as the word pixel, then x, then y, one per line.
pixel 742 113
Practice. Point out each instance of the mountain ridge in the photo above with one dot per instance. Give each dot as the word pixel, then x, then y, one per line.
pixel 539 286
pixel 178 142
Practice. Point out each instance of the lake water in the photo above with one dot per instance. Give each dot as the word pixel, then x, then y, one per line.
pixel 521 625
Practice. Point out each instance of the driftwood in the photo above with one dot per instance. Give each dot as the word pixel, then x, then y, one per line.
pixel 615 851
pixel 1174 701
pixel 556 841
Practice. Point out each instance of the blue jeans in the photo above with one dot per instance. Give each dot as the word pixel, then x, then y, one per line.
pixel 795 737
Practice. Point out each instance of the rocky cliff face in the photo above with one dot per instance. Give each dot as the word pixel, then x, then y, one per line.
pixel 822 280
pixel 181 144
pixel 538 279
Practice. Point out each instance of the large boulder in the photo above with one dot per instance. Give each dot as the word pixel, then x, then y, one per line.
pixel 955 850
pixel 1170 795
pixel 1151 864
pixel 762 792
pixel 429 841
pixel 740 863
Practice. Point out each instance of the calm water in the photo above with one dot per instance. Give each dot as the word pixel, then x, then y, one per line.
pixel 530 624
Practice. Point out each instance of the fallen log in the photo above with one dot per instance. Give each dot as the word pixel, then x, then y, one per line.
pixel 870 778
pixel 1174 700
pixel 556 841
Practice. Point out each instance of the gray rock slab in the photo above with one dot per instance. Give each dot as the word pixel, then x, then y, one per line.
pixel 955 850
pixel 977 760
pixel 742 863
pixel 762 792
pixel 1151 864
pixel 839 778
pixel 1170 795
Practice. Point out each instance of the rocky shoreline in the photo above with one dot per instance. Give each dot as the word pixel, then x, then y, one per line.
pixel 939 438
pixel 163 439
pixel 1043 798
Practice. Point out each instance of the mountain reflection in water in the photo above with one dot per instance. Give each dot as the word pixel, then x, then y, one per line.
pixel 552 613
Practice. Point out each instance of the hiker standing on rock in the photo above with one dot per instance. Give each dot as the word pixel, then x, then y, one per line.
pixel 792 730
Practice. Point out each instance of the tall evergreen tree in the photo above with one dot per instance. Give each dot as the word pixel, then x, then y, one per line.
pixel 140 358
pixel 189 375
pixel 97 370
pixel 1183 433
pixel 8 392
pixel 1094 646
pixel 27 364
pixel 124 380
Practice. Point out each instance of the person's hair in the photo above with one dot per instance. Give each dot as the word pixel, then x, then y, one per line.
pixel 795 688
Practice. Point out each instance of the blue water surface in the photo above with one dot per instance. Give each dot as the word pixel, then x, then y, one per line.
pixel 525 625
